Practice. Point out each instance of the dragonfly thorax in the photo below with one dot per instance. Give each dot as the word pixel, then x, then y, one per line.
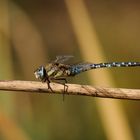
pixel 57 70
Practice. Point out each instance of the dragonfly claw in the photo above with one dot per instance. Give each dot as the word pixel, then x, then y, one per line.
pixel 49 87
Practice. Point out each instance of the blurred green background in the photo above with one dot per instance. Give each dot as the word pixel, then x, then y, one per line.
pixel 33 32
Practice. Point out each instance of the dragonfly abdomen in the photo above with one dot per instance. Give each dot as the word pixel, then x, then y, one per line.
pixel 76 69
pixel 117 64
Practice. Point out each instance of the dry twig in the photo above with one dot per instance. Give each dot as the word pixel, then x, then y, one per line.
pixel 73 89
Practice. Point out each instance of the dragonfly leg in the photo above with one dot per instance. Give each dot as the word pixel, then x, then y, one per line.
pixel 48 83
pixel 57 80
pixel 49 87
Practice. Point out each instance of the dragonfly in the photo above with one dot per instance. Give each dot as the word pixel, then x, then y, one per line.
pixel 58 71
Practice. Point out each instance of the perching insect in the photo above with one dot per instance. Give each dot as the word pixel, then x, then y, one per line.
pixel 58 71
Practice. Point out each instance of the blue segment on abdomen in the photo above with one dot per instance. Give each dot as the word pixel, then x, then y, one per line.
pixel 80 68
pixel 75 70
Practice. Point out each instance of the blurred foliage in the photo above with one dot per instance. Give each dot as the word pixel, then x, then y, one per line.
pixel 31 34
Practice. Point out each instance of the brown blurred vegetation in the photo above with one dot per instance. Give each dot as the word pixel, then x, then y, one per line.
pixel 33 32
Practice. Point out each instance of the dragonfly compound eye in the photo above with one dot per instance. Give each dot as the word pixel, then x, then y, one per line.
pixel 40 73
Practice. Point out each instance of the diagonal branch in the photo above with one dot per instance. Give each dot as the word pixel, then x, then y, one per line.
pixel 73 89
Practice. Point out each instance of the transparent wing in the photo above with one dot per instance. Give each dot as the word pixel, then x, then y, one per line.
pixel 81 63
pixel 63 58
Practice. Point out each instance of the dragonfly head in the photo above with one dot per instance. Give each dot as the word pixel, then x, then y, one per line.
pixel 40 73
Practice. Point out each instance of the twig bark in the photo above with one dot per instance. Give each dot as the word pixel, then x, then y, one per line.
pixel 73 89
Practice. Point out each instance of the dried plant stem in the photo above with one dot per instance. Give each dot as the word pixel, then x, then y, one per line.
pixel 73 89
